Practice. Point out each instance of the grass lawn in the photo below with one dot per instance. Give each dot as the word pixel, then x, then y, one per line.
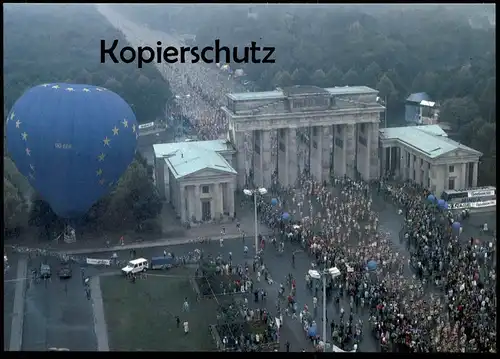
pixel 141 315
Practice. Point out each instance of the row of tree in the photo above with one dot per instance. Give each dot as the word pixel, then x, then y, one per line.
pixel 61 43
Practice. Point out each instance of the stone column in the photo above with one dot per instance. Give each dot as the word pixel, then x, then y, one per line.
pixel 373 150
pixel 464 183
pixel 197 202
pixel 182 204
pixel 339 164
pixel 316 153
pixel 327 144
pixel 350 150
pixel 240 158
pixel 282 157
pixel 474 175
pixel 257 157
pixel 213 202
pixel 390 160
pixel 265 158
pixel 291 151
pixel 230 198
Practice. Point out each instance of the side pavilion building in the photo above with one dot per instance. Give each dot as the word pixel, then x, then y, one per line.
pixel 197 178
pixel 425 155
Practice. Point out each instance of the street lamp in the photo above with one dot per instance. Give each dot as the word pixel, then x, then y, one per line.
pixel 255 192
pixel 333 272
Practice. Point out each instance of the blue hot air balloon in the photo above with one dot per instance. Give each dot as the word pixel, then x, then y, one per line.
pixel 285 215
pixel 274 201
pixel 72 142
pixel 431 198
pixel 456 226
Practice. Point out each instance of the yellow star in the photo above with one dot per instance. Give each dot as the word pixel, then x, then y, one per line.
pixel 136 135
pixel 98 172
pixel 101 157
pixel 11 117
pixel 32 176
pixel 32 168
pixel 24 136
pixel 106 141
pixel 133 127
pixel 18 123
pixel 102 181
pixel 28 152
pixel 125 122
pixel 110 184
pixel 55 87
pixel 86 90
pixel 115 131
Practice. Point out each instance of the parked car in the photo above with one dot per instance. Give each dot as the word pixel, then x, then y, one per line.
pixel 65 271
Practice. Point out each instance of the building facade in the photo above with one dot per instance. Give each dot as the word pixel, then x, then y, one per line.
pixel 197 178
pixel 425 155
pixel 420 110
pixel 322 131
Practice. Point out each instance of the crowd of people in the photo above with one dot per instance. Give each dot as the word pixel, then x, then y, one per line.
pixel 439 299
pixel 445 289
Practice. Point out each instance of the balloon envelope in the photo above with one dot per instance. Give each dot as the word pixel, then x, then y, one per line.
pixel 285 215
pixel 441 203
pixel 72 142
pixel 431 198
pixel 456 226
pixel 274 201
pixel 312 331
pixel 372 265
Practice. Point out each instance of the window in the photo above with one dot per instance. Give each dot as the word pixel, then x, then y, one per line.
pixel 421 162
pixel 451 169
pixel 205 189
pixel 428 182
pixel 414 158
pixel 451 182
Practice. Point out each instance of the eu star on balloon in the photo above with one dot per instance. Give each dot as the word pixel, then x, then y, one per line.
pixel 72 142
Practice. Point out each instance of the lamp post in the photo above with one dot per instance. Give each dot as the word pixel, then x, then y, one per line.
pixel 255 192
pixel 333 272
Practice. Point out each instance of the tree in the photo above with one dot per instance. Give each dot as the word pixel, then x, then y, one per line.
pixel 135 199
pixel 334 76
pixel 351 78
pixel 319 79
pixel 300 77
pixel 372 74
pixel 459 111
pixel 386 88
pixel 283 79
pixel 15 208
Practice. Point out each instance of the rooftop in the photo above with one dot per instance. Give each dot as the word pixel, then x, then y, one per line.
pixel 430 139
pixel 296 90
pixel 418 97
pixel 185 158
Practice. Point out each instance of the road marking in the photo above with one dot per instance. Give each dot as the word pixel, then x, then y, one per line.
pixel 15 280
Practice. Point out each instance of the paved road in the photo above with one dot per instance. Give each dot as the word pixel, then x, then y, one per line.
pixel 279 266
pixel 58 313
pixel 8 298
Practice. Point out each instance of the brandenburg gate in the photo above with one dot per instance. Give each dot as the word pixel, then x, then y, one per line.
pixel 322 131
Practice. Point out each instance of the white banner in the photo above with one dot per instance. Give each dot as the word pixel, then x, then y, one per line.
pixel 93 261
pixel 146 125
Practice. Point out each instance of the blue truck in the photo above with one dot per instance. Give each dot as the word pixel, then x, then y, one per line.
pixel 163 262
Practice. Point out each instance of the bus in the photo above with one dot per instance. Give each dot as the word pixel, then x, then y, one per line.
pixel 474 198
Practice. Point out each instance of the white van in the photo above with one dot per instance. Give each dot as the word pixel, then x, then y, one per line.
pixel 136 266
